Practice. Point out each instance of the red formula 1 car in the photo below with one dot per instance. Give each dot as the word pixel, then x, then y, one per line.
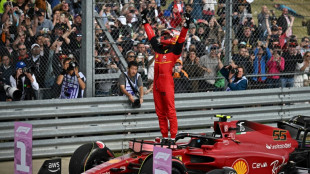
pixel 234 147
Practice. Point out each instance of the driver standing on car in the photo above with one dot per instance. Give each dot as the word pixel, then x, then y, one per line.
pixel 166 53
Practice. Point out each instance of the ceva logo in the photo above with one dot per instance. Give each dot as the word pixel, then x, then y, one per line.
pixel 23 129
pixel 161 155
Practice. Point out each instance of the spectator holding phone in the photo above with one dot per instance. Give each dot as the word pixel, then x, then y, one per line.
pixel 45 26
pixel 275 65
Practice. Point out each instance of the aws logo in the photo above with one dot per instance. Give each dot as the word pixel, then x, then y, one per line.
pixel 241 166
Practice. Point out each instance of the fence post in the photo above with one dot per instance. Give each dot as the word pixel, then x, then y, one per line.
pixel 228 34
pixel 87 61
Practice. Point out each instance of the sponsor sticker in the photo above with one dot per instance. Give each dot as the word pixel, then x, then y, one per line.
pixel 279 146
pixel 276 165
pixel 241 166
pixel 259 165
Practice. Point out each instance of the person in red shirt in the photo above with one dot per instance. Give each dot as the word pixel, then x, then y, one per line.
pixel 166 53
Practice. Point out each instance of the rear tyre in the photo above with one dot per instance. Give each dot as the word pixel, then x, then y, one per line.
pixel 89 155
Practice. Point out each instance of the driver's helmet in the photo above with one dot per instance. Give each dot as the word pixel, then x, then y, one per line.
pixel 169 36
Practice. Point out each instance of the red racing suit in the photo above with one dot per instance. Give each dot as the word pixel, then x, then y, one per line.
pixel 163 89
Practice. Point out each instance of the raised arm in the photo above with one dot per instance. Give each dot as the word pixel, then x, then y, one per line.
pixel 148 29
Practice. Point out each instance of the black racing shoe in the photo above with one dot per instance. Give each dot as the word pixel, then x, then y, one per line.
pixel 164 141
pixel 171 142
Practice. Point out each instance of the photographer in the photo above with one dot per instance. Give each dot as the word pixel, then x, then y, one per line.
pixel 24 80
pixel 235 76
pixel 71 80
pixel 136 82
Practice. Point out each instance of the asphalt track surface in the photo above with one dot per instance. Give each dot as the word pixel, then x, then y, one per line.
pixel 7 167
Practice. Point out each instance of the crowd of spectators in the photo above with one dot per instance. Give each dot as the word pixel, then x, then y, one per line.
pixel 43 33
pixel 39 35
pixel 265 46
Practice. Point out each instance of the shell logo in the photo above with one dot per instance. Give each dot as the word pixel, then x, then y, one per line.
pixel 241 166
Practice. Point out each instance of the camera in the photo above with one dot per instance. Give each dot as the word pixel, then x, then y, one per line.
pixel 136 104
pixel 19 12
pixel 68 92
pixel 132 11
pixel 12 92
pixel 28 70
pixel 233 70
pixel 72 65
pixel 9 91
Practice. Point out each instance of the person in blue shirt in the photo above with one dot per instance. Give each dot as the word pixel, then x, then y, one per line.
pixel 262 55
pixel 235 76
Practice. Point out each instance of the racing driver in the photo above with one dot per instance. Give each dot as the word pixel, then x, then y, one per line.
pixel 166 53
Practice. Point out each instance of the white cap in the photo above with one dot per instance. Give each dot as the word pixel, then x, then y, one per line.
pixel 250 1
pixel 122 19
pixel 35 45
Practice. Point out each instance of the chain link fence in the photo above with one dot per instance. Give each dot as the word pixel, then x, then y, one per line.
pixel 269 40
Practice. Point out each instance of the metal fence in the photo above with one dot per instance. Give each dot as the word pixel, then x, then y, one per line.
pixel 249 34
pixel 252 35
pixel 59 126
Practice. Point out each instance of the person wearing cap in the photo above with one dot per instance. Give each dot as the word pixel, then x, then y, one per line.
pixel 291 57
pixel 77 22
pixel 211 63
pixel 180 78
pixel 192 37
pixel 36 61
pixel 24 80
pixel 304 45
pixel 130 56
pixel 44 26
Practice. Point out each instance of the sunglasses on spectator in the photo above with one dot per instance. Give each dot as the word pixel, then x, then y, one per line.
pixel 22 49
pixel 132 56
